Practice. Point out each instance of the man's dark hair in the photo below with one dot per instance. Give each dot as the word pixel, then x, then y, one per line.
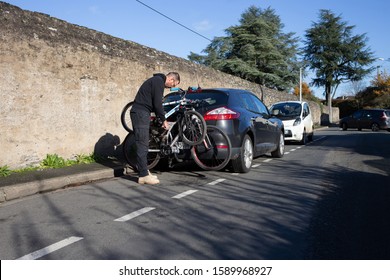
pixel 175 74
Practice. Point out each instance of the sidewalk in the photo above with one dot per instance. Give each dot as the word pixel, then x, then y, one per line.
pixel 28 183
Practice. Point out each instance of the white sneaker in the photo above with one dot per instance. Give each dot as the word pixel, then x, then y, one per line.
pixel 150 174
pixel 149 180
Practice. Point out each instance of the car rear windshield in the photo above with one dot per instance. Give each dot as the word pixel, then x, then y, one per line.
pixel 207 98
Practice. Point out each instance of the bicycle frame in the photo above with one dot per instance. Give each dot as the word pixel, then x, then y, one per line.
pixel 170 140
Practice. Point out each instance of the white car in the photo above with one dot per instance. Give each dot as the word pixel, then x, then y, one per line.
pixel 297 119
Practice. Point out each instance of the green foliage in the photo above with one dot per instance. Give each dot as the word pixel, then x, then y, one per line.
pixel 53 161
pixel 346 106
pixel 5 171
pixel 255 50
pixel 377 95
pixel 335 54
pixel 85 159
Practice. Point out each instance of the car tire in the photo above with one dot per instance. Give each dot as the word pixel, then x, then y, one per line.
pixel 345 127
pixel 243 163
pixel 279 152
pixel 304 139
pixel 311 135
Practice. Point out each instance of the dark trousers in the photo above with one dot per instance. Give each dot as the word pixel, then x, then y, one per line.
pixel 141 124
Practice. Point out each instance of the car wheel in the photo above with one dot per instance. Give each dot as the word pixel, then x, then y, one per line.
pixel 244 161
pixel 279 152
pixel 375 127
pixel 345 127
pixel 311 135
pixel 304 137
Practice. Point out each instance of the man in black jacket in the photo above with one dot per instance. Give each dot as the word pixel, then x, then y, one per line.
pixel 149 99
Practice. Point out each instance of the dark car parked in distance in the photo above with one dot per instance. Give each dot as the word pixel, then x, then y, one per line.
pixel 374 119
pixel 244 118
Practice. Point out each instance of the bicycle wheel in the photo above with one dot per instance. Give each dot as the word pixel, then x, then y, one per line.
pixel 125 117
pixel 130 151
pixel 193 128
pixel 214 152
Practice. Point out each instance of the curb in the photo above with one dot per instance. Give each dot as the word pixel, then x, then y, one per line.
pixel 16 191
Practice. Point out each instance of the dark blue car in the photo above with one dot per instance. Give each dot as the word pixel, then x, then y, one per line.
pixel 252 130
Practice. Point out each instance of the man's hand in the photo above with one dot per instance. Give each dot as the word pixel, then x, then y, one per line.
pixel 165 125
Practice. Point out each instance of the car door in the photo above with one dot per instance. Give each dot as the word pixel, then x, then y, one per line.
pixel 354 120
pixel 272 133
pixel 258 122
pixel 307 118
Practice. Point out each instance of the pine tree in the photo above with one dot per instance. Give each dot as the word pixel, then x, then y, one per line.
pixel 335 54
pixel 256 50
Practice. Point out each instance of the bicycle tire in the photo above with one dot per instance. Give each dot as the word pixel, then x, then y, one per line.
pixel 125 117
pixel 130 151
pixel 217 155
pixel 193 128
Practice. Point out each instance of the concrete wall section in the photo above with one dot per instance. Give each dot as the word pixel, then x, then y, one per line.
pixel 63 86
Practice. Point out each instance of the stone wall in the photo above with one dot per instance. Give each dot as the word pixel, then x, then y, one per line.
pixel 63 86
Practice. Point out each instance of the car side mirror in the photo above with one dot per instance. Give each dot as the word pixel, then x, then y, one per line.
pixel 275 112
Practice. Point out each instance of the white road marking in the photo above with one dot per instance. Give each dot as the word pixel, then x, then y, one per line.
pixel 267 160
pixel 292 150
pixel 286 153
pixel 50 249
pixel 256 165
pixel 134 214
pixel 183 194
pixel 235 174
pixel 216 181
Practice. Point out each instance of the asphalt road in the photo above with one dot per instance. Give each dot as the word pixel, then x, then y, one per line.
pixel 326 200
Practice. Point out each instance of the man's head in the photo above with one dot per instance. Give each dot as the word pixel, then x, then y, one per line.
pixel 173 79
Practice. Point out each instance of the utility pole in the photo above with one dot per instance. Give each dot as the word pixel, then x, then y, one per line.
pixel 300 84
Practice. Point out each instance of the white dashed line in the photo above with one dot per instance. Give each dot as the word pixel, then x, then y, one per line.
pixel 292 150
pixel 50 249
pixel 134 214
pixel 184 194
pixel 267 160
pixel 216 181
pixel 256 165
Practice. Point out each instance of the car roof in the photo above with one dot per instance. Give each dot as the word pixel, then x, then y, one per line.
pixel 291 101
pixel 375 109
pixel 222 90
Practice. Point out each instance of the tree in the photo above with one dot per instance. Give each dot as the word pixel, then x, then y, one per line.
pixel 256 50
pixel 306 91
pixel 334 54
pixel 378 94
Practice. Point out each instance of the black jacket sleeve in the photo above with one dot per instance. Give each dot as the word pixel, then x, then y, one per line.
pixel 157 96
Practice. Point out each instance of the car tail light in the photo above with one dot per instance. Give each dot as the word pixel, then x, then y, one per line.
pixel 221 113
pixel 383 117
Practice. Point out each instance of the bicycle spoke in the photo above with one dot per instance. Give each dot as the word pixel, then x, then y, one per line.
pixel 215 150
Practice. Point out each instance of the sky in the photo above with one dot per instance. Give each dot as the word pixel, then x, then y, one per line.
pixel 198 21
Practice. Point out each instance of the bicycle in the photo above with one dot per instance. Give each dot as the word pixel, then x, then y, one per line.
pixel 188 127
pixel 210 149
pixel 125 117
pixel 214 152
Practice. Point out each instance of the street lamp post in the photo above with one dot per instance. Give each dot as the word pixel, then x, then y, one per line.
pixel 300 84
